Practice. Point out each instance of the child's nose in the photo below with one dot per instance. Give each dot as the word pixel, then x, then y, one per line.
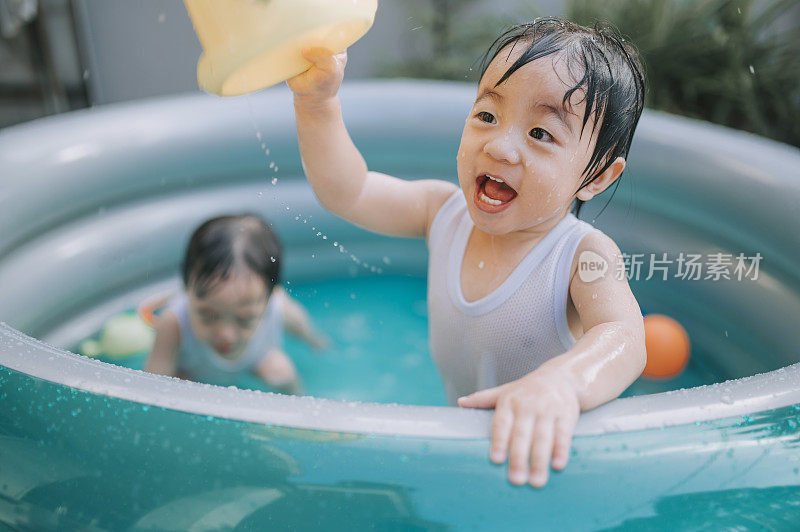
pixel 502 148
pixel 226 333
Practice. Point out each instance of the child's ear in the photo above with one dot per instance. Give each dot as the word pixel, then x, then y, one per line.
pixel 603 181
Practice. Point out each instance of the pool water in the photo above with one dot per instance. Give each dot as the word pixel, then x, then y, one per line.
pixel 378 349
pixel 378 328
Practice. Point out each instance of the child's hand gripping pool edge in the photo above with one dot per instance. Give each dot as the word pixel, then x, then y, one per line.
pixel 533 422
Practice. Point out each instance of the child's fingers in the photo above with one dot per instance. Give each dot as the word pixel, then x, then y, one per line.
pixel 541 452
pixel 562 443
pixel 520 447
pixel 502 422
pixel 321 342
pixel 315 53
pixel 482 399
pixel 323 58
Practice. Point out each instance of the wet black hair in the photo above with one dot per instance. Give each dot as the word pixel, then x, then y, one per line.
pixel 221 244
pixel 608 71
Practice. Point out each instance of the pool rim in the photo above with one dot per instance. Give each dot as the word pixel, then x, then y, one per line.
pixel 745 396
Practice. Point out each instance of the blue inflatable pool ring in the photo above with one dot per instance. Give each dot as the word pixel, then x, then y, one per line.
pixel 96 205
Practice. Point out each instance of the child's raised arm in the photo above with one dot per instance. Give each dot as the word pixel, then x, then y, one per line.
pixel 336 170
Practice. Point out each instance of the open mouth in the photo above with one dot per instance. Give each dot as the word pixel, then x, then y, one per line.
pixel 223 349
pixel 492 194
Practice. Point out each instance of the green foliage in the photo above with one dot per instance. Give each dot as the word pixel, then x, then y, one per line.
pixel 725 61
pixel 450 40
pixel 697 54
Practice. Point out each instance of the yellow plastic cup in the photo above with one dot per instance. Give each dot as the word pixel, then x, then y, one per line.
pixel 252 44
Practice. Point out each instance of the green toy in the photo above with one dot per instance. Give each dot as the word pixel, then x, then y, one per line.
pixel 125 339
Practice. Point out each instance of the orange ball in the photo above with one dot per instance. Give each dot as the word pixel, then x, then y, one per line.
pixel 667 346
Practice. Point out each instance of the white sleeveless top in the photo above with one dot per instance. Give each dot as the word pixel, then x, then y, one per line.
pixel 510 332
pixel 199 362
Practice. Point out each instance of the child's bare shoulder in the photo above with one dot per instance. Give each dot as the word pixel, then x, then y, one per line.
pixel 437 193
pixel 600 290
pixel 598 247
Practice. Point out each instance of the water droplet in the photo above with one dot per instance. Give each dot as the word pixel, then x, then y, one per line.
pixel 480 265
pixel 274 181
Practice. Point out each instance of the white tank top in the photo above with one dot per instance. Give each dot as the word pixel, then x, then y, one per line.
pixel 510 332
pixel 199 362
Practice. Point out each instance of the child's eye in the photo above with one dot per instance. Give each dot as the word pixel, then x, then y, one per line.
pixel 540 134
pixel 208 319
pixel 483 116
pixel 247 323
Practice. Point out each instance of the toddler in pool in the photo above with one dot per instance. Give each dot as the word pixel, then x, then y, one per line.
pixel 514 325
pixel 231 316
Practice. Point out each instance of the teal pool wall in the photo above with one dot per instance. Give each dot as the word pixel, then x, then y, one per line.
pixel 73 459
pixel 94 205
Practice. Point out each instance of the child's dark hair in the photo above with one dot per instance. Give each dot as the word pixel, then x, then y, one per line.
pixel 221 244
pixel 608 70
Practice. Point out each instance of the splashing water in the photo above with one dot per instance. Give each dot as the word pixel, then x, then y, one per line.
pixel 274 181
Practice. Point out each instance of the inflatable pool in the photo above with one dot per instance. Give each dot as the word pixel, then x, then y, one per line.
pixel 95 207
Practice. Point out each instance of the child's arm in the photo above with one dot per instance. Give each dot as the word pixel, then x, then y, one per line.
pixel 336 170
pixel 278 370
pixel 163 359
pixel 298 322
pixel 535 416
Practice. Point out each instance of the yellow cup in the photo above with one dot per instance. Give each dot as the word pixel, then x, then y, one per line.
pixel 251 44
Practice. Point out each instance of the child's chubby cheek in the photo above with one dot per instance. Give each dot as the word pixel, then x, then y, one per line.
pixel 543 196
pixel 461 159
